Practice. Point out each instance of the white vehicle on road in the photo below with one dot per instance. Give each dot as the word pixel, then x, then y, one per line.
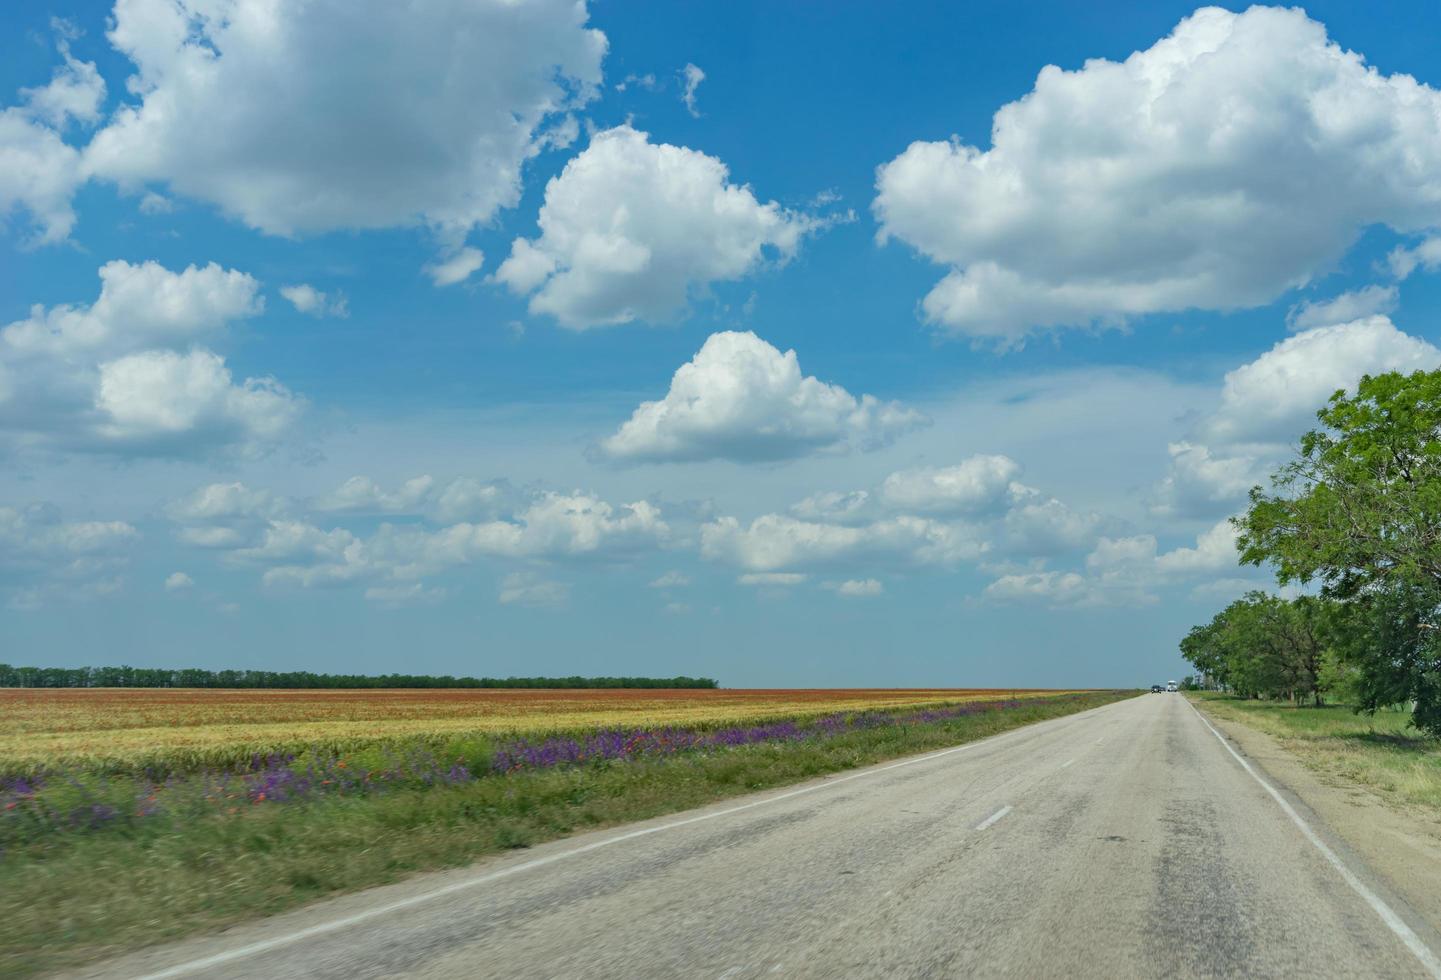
pixel 1171 686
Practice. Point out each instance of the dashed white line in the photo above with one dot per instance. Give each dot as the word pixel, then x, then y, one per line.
pixel 993 817
pixel 1393 921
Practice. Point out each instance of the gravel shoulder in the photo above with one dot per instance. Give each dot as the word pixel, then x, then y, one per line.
pixel 1400 842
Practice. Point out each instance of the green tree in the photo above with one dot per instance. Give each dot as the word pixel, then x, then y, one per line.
pixel 1359 511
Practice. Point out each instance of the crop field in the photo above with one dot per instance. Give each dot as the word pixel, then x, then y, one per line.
pixel 167 730
pixel 223 805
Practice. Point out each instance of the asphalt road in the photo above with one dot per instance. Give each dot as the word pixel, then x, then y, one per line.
pixel 1125 841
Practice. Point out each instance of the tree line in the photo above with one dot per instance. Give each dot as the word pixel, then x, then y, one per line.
pixel 1356 516
pixel 196 677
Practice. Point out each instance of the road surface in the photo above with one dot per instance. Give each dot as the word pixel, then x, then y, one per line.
pixel 1124 841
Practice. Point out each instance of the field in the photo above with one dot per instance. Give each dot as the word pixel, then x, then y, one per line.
pixel 162 731
pixel 221 806
pixel 1379 751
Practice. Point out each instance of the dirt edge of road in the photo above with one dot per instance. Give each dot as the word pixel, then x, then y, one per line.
pixel 1400 844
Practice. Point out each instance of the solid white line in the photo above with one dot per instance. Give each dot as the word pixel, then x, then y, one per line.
pixel 459 886
pixel 1393 921
pixel 994 817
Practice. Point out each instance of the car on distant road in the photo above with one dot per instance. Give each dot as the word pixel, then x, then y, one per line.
pixel 1172 686
pixel 1155 688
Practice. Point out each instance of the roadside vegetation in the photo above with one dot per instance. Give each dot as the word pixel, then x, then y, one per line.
pixel 206 848
pixel 1381 751
pixel 1356 516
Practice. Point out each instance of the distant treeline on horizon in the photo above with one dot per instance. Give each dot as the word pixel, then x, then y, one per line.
pixel 195 677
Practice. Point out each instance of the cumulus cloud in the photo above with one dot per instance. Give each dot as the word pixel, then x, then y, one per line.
pixel 863 588
pixel 178 582
pixel 1345 308
pixel 43 557
pixel 127 374
pixel 775 542
pixel 1124 571
pixel 530 589
pixel 976 485
pixel 456 267
pixel 448 501
pixel 671 580
pixel 1040 525
pixel 39 171
pixel 770 579
pixel 1266 404
pixel 691 77
pixel 303 118
pixel 1405 260
pixel 312 302
pixel 1200 482
pixel 631 229
pixel 741 399
pixel 257 529
pixel 1237 158
pixel 1275 397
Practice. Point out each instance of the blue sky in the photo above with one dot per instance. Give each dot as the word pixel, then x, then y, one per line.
pixel 463 341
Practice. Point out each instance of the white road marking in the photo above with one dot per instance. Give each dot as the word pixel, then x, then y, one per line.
pixel 993 817
pixel 334 925
pixel 1393 921
pixel 1067 763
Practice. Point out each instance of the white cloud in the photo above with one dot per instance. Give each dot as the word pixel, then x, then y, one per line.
pixel 1266 405
pixel 178 582
pixel 312 302
pixel 1424 255
pixel 770 579
pixel 1275 397
pixel 551 526
pixel 632 229
pixel 303 118
pixel 161 399
pixel 1201 483
pixel 456 267
pixel 225 501
pixel 1343 308
pixel 1041 525
pixel 671 580
pixel 1215 550
pixel 741 399
pixel 446 502
pixel 126 374
pixel 975 485
pixel 361 494
pixel 39 171
pixel 1053 588
pixel 1168 181
pixel 864 588
pixel 529 589
pixel 43 557
pixel 404 595
pixel 691 76
pixel 1124 571
pixel 841 507
pixel 774 542
pixel 76 92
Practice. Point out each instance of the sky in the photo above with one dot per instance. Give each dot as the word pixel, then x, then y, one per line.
pixel 787 344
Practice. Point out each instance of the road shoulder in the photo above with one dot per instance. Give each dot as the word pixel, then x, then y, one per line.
pixel 1400 843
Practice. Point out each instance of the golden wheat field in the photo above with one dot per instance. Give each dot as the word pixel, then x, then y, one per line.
pixel 193 727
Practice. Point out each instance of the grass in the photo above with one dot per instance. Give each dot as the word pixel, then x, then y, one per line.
pixel 70 898
pixel 1379 751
